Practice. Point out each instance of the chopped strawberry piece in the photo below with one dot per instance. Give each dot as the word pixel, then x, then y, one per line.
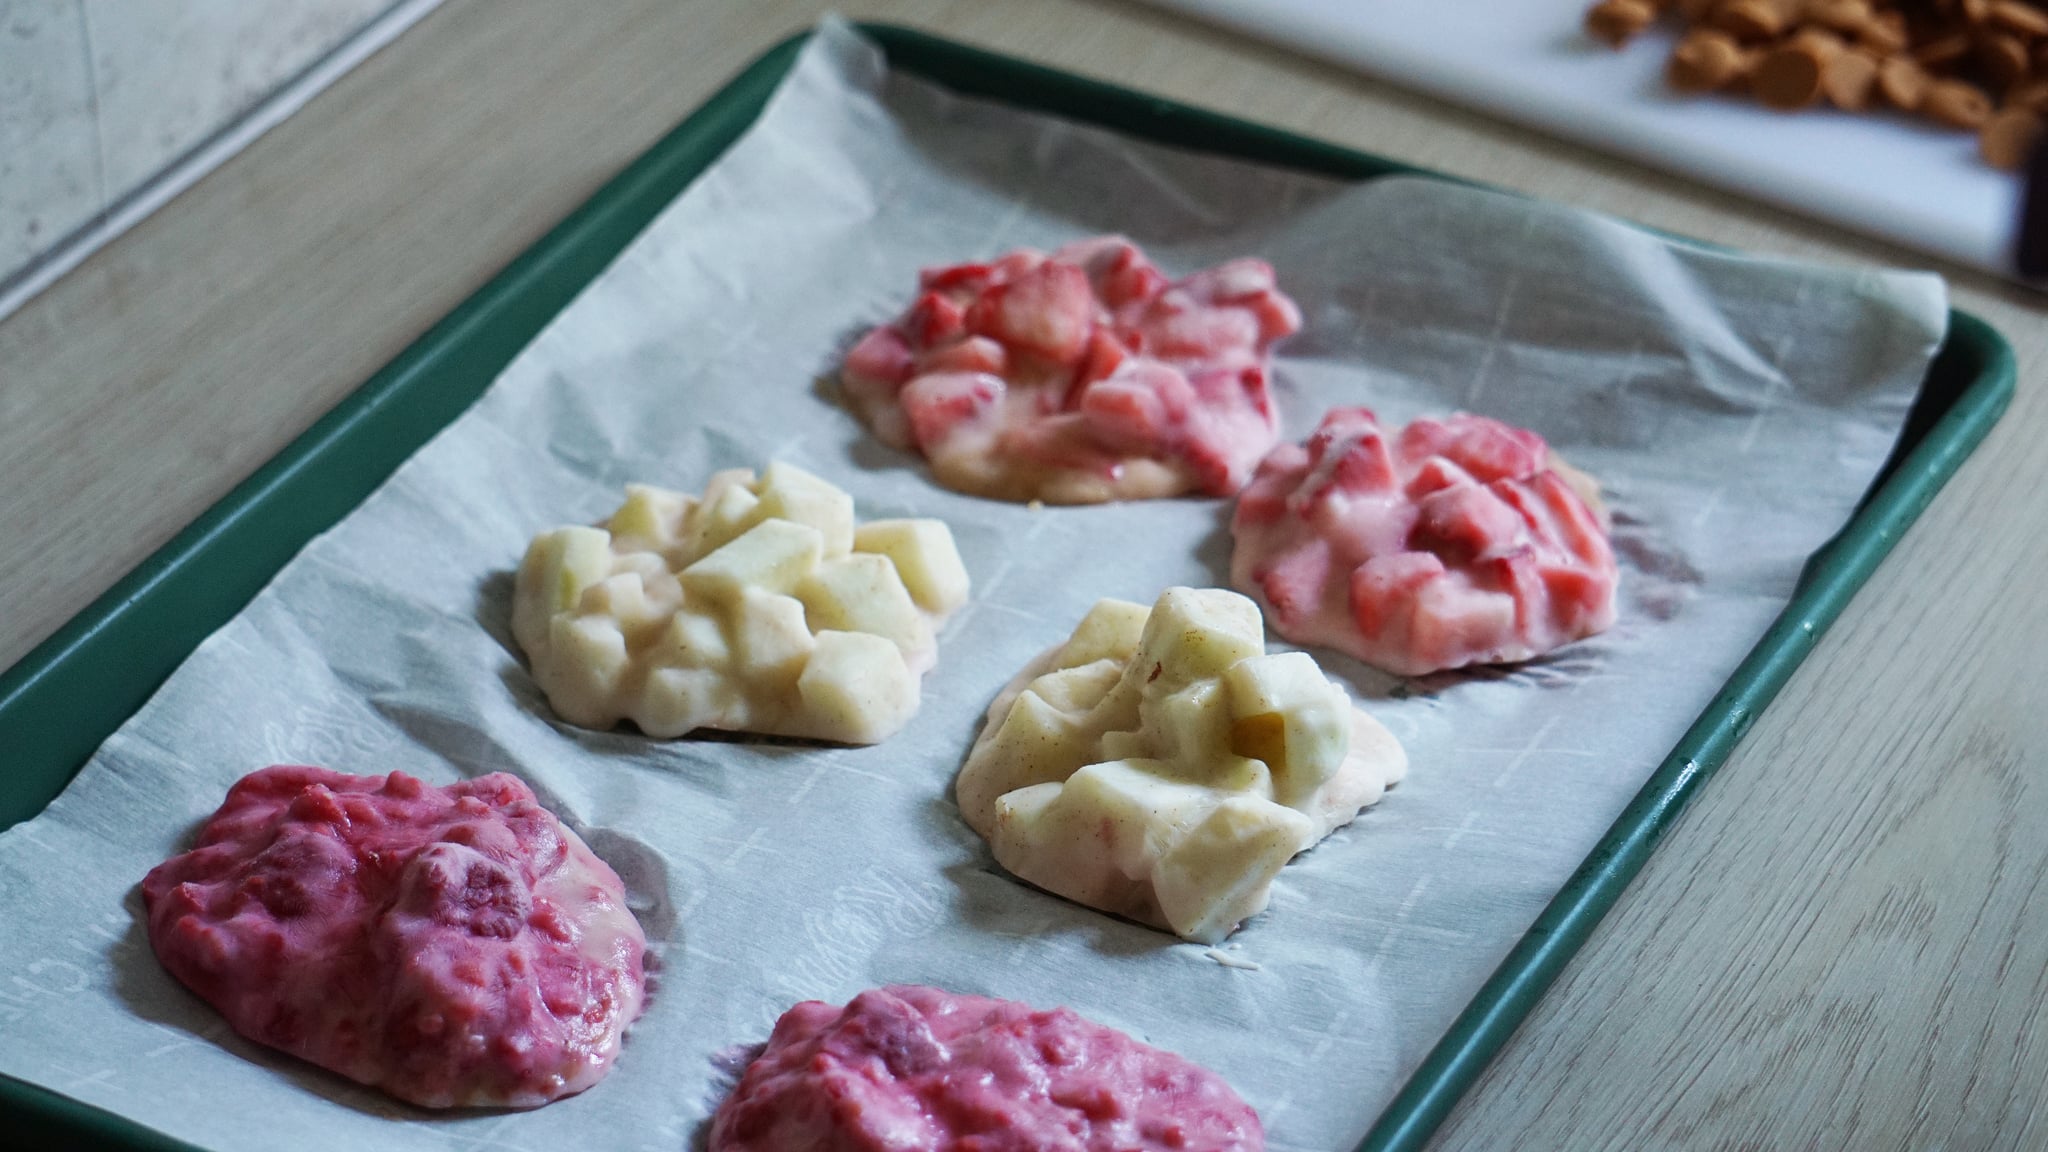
pixel 939 403
pixel 1450 562
pixel 1058 330
pixel 1233 281
pixel 1203 334
pixel 1263 501
pixel 1491 450
pixel 1452 624
pixel 1339 424
pixel 1294 582
pixel 934 319
pixel 1095 254
pixel 881 355
pixel 1206 451
pixel 1383 588
pixel 1139 410
pixel 1277 316
pixel 1467 522
pixel 974 354
pixel 1258 390
pixel 1434 475
pixel 1103 357
pixel 1576 525
pixel 1422 439
pixel 1519 575
pixel 1013 265
pixel 953 278
pixel 1047 311
pixel 1365 467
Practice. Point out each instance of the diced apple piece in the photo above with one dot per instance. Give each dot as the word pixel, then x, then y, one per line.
pixel 1110 631
pixel 863 593
pixel 1197 632
pixel 1221 871
pixel 1181 715
pixel 650 515
pixel 1035 744
pixel 925 558
pixel 675 701
pixel 773 556
pixel 1289 715
pixel 1077 690
pixel 1144 808
pixel 586 656
pixel 729 508
pixel 1094 838
pixel 1191 724
pixel 692 640
pixel 623 598
pixel 790 493
pixel 769 640
pixel 856 688
pixel 558 566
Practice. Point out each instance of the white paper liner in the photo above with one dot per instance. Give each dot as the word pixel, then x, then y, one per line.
pixel 1734 409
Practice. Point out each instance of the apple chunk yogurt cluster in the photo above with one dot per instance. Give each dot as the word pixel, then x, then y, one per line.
pixel 1162 766
pixel 456 947
pixel 1078 377
pixel 1434 546
pixel 759 607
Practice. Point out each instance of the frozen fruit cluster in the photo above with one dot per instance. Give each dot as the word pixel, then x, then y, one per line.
pixel 1438 545
pixel 1162 766
pixel 911 1069
pixel 456 947
pixel 759 607
pixel 1078 377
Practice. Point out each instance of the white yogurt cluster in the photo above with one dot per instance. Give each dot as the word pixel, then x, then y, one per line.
pixel 759 607
pixel 1161 766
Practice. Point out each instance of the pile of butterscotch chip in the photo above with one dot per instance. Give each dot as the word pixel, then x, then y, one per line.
pixel 1978 65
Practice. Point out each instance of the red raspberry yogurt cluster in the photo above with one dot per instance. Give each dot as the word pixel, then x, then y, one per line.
pixel 1438 545
pixel 456 947
pixel 1079 377
pixel 907 1069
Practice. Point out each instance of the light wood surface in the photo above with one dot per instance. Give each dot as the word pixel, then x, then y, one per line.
pixel 1843 944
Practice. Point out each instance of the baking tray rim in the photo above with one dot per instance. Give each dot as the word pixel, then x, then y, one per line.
pixel 167 605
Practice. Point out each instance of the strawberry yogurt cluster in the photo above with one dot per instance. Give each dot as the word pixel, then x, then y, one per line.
pixel 1438 545
pixel 455 947
pixel 1080 377
pixel 908 1069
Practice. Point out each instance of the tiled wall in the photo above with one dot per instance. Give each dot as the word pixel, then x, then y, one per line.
pixel 99 96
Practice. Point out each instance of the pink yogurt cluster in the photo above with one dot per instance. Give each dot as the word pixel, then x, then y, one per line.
pixel 1438 545
pixel 453 946
pixel 1082 376
pixel 909 1069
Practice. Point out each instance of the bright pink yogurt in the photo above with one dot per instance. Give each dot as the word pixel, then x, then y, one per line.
pixel 1078 377
pixel 1442 544
pixel 453 946
pixel 907 1069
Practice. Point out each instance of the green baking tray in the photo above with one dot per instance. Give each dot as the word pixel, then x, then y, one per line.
pixel 75 689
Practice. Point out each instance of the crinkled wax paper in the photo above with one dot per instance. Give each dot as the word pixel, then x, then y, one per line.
pixel 1733 408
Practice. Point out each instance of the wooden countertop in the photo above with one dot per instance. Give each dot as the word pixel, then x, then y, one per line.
pixel 1844 942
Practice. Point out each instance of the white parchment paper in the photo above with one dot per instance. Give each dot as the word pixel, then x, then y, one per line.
pixel 1734 409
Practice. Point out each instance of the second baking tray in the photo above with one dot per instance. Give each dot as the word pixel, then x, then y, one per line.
pixel 62 701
